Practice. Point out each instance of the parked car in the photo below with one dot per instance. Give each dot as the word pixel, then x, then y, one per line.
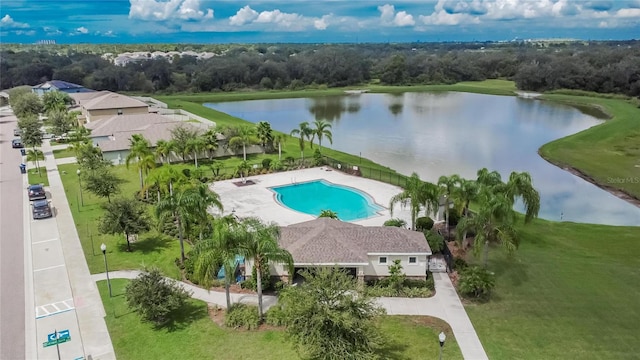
pixel 41 209
pixel 36 192
pixel 17 144
pixel 17 132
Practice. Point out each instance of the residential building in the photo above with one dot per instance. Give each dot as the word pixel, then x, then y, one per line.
pixel 59 85
pixel 105 104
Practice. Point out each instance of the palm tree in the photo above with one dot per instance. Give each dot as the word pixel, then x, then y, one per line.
pixel 244 137
pixel 218 249
pixel 260 244
pixel 448 188
pixel 466 192
pixel 210 140
pixel 196 145
pixel 265 134
pixel 138 149
pixel 34 155
pixel 329 214
pixel 303 131
pixel 279 139
pixel 520 185
pixel 323 129
pixel 488 179
pixel 416 194
pixel 164 149
pixel 206 199
pixel 178 206
pixel 493 224
pixel 242 169
pixel 165 178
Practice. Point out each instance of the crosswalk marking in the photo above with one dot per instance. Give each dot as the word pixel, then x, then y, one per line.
pixel 54 308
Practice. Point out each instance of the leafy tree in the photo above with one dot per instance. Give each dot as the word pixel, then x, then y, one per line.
pixel 61 121
pixel 396 277
pixel 103 183
pixel 89 157
pixel 329 317
pixel 31 130
pixel 322 129
pixel 124 216
pixel 55 101
pixel 303 131
pixel 476 281
pixel 417 194
pixel 259 242
pixel 26 104
pixel 435 240
pixel 139 148
pixel 34 155
pixel 245 137
pixel 397 222
pixel 180 135
pixel 155 297
pixel 328 214
pixel 264 134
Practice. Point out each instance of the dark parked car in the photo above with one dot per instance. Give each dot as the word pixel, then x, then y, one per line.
pixel 36 192
pixel 41 209
pixel 17 143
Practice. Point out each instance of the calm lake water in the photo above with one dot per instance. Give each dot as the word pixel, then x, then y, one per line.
pixel 448 133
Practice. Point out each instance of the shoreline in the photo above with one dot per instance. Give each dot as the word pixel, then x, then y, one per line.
pixel 621 194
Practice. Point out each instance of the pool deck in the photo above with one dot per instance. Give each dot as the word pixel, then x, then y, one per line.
pixel 259 201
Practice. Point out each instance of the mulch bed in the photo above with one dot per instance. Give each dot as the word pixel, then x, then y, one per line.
pixel 245 183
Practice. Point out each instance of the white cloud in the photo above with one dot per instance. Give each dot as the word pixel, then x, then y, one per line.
pixel 7 22
pixel 51 31
pixel 243 16
pixel 629 13
pixel 82 30
pixel 323 22
pixel 389 17
pixel 287 20
pixel 168 10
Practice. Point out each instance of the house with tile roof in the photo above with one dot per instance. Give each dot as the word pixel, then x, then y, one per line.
pixel 59 85
pixel 105 104
pixel 364 251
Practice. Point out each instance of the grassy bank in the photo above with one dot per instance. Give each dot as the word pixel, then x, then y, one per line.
pixel 63 153
pixel 569 292
pixel 608 153
pixel 35 178
pixel 196 336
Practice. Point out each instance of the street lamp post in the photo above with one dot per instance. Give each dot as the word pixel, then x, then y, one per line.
pixel 80 184
pixel 442 337
pixel 103 247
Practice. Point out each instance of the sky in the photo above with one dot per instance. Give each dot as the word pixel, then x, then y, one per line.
pixel 314 21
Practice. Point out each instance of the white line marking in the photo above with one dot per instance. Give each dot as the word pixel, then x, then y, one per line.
pixel 41 311
pixel 55 307
pixel 50 267
pixel 44 241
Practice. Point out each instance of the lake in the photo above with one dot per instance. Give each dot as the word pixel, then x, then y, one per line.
pixel 446 133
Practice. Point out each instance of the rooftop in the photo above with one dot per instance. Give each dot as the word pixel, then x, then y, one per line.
pixel 110 100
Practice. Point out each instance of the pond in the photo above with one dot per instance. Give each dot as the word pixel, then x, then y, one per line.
pixel 448 133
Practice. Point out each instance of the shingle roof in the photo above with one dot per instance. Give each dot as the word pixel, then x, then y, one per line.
pixel 111 100
pixel 58 84
pixel 330 241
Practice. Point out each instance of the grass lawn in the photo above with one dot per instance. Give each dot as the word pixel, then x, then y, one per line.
pixel 63 153
pixel 195 336
pixel 570 292
pixel 152 249
pixel 35 178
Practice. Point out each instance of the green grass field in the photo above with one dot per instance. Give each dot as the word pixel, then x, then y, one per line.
pixel 35 178
pixel 569 292
pixel 63 153
pixel 195 336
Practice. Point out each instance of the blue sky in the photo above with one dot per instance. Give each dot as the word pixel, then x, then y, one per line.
pixel 208 21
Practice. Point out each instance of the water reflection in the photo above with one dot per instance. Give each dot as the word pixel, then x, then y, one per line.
pixel 455 133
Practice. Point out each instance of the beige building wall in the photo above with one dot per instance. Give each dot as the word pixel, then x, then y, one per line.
pixel 95 115
pixel 375 268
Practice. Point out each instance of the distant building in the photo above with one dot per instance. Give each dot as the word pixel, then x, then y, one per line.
pixel 59 85
pixel 100 105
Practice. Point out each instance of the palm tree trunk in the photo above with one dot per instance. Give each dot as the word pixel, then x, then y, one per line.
pixel 180 236
pixel 279 151
pixel 158 194
pixel 126 235
pixel 486 254
pixel 195 158
pixel 244 152
pixel 140 175
pixel 226 290
pixel 259 285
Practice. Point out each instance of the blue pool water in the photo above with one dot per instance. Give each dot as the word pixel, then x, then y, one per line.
pixel 314 196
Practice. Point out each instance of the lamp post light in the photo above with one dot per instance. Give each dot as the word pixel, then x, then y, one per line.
pixel 442 337
pixel 103 247
pixel 80 184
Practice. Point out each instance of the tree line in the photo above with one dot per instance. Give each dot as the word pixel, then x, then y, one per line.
pixel 605 67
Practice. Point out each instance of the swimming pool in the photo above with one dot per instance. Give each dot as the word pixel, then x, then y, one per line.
pixel 314 196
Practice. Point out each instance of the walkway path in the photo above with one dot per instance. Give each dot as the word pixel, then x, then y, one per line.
pixel 445 305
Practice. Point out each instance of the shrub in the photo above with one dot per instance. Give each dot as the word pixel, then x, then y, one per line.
pixel 249 284
pixel 154 297
pixel 275 316
pixel 242 316
pixel 454 217
pixel 266 277
pixel 266 163
pixel 395 222
pixel 435 240
pixel 317 158
pixel 424 223
pixel 459 264
pixel 276 165
pixel 476 281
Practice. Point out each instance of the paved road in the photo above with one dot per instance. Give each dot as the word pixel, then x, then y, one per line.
pixel 12 246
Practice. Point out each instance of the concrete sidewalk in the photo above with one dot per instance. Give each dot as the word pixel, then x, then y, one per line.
pixel 445 305
pixel 83 297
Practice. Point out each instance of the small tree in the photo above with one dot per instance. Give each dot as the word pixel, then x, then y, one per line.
pixel 396 277
pixel 154 297
pixel 328 317
pixel 476 281
pixel 124 216
pixel 61 121
pixel 34 156
pixel 25 104
pixel 395 222
pixel 435 240
pixel 103 183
